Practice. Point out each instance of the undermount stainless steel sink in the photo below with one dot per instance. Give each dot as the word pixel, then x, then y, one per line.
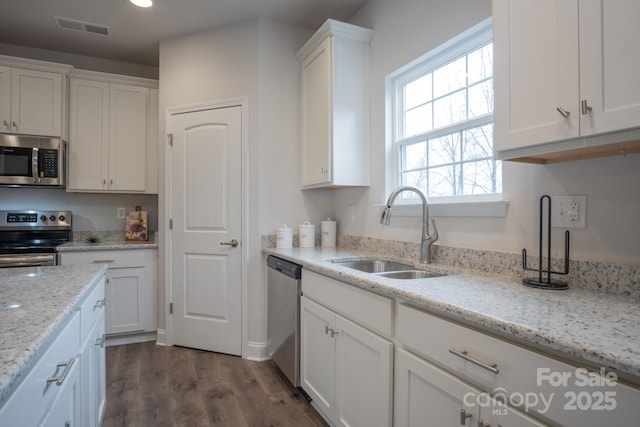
pixel 389 269
pixel 411 274
pixel 374 265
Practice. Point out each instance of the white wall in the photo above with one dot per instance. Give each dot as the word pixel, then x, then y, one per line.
pixel 406 29
pixel 91 212
pixel 255 60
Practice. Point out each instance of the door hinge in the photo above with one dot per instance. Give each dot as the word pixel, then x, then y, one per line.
pixel 171 224
pixel 170 308
pixel 170 139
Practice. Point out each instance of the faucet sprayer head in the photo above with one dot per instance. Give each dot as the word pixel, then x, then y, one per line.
pixel 385 218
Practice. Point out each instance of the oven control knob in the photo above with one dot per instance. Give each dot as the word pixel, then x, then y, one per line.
pixel 52 218
pixel 62 218
pixel 43 218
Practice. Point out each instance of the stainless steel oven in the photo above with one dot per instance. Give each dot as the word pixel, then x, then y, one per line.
pixel 29 238
pixel 32 161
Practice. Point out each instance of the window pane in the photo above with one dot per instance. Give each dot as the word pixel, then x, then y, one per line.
pixel 481 99
pixel 479 177
pixel 416 179
pixel 480 63
pixel 418 120
pixel 478 143
pixel 414 155
pixel 418 92
pixel 450 109
pixel 443 181
pixel 450 78
pixel 444 150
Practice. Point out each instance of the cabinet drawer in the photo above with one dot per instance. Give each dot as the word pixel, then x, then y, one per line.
pixel 369 309
pixel 91 309
pixel 113 258
pixel 574 396
pixel 34 396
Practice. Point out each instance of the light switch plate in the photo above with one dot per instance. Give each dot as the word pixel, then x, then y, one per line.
pixel 569 211
pixel 120 213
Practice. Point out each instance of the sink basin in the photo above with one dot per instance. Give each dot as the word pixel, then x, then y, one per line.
pixel 411 274
pixel 374 265
pixel 389 269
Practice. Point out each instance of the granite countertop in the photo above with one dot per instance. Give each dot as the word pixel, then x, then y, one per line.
pixel 47 298
pixel 595 328
pixel 104 245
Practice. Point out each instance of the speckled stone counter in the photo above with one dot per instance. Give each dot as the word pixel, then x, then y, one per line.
pixel 105 245
pixel 595 328
pixel 36 303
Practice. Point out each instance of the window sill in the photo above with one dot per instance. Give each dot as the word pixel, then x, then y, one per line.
pixel 475 209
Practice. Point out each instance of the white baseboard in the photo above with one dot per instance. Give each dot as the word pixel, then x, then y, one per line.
pixel 113 340
pixel 256 351
pixel 161 337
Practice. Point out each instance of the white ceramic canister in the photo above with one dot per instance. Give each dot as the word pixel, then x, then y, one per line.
pixel 307 235
pixel 328 233
pixel 284 237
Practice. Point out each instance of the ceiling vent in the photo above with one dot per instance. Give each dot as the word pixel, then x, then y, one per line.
pixel 86 27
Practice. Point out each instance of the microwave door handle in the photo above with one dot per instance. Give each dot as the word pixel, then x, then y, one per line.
pixel 34 165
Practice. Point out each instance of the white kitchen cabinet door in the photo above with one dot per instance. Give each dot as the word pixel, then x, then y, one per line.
pixel 335 114
pixel 125 291
pixel 112 137
pixel 565 78
pixel 536 72
pixel 427 396
pixel 93 375
pixel 5 99
pixel 364 376
pixel 316 116
pixel 88 135
pixel 36 102
pixel 317 356
pixel 127 138
pixel 66 409
pixel 609 65
pixel 346 369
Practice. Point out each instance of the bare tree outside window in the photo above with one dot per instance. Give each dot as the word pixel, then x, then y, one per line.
pixel 444 124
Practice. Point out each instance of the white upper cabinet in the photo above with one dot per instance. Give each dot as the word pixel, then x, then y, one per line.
pixel 565 78
pixel 335 124
pixel 112 137
pixel 32 101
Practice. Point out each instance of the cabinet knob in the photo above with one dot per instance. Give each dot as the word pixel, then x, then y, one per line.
pixel 584 107
pixel 564 113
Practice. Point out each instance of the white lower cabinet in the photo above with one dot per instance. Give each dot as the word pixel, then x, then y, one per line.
pixel 425 395
pixel 130 287
pixel 537 389
pixel 346 369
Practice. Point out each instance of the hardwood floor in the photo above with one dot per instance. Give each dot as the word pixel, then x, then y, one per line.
pixel 149 385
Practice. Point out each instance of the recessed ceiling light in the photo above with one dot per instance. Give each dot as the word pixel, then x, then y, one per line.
pixel 142 3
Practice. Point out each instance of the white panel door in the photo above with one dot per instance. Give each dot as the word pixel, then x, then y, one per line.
pixel 125 292
pixel 36 102
pixel 206 209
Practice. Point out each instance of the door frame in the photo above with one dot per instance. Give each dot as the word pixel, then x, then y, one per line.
pixel 243 103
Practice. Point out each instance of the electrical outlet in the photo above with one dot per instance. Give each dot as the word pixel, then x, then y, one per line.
pixel 120 213
pixel 569 211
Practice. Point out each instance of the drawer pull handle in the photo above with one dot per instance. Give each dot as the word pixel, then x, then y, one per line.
pixel 102 261
pixel 100 341
pixel 60 379
pixel 491 367
pixel 100 303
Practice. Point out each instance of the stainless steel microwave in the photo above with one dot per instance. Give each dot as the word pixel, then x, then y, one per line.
pixel 32 160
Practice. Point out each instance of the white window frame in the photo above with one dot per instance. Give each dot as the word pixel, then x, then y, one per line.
pixel 486 205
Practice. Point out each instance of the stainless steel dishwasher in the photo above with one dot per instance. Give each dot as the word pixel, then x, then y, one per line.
pixel 283 316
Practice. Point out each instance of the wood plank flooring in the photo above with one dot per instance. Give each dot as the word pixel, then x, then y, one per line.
pixel 150 385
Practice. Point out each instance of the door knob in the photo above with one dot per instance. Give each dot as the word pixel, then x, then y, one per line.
pixel 233 243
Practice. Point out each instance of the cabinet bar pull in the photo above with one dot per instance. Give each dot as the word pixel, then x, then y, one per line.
pixel 16 126
pixel 463 417
pixel 586 109
pixel 6 124
pixel 60 379
pixel 100 303
pixel 564 113
pixel 491 367
pixel 102 261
